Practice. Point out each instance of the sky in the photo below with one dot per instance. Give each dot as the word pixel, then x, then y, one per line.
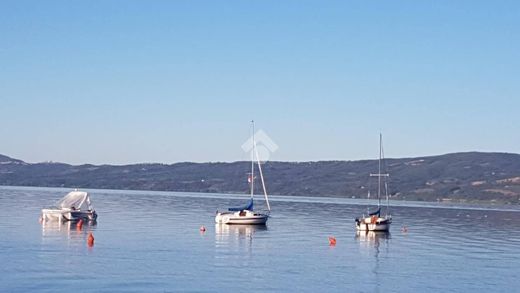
pixel 119 82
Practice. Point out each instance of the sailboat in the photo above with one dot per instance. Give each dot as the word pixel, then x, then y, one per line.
pixel 374 221
pixel 246 214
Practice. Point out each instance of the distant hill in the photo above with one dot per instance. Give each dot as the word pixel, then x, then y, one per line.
pixel 471 176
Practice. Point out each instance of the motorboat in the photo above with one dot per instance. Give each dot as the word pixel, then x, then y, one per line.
pixel 72 207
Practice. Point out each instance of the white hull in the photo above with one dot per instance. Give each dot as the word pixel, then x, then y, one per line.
pixel 241 218
pixel 368 224
pixel 67 215
pixel 55 215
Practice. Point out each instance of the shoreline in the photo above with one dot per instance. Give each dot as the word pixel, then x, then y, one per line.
pixel 478 205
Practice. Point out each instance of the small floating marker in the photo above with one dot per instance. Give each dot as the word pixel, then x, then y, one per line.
pixel 90 239
pixel 404 229
pixel 332 241
pixel 79 225
pixel 202 229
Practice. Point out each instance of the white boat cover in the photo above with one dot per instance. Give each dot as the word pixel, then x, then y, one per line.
pixel 78 200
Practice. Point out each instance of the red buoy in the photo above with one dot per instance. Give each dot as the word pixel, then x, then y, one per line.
pixel 332 241
pixel 202 229
pixel 79 225
pixel 90 239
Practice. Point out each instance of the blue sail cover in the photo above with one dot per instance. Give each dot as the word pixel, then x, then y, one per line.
pixel 248 206
pixel 376 213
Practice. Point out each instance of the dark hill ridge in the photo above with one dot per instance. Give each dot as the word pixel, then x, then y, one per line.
pixel 469 176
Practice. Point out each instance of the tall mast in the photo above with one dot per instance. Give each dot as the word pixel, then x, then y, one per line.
pixel 379 174
pixel 253 160
pixel 386 183
pixel 379 177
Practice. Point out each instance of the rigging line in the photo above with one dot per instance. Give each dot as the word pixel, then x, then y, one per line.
pixel 261 175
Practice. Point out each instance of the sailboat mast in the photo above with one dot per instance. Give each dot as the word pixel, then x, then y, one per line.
pixel 379 174
pixel 379 177
pixel 386 183
pixel 253 160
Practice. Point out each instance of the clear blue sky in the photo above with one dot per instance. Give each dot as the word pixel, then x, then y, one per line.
pixel 167 81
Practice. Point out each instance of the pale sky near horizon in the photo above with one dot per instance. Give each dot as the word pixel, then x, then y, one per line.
pixel 121 82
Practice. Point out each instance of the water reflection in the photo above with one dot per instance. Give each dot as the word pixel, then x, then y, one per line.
pixel 225 232
pixel 372 242
pixel 372 236
pixel 160 249
pixel 236 234
pixel 234 243
pixel 66 232
pixel 373 239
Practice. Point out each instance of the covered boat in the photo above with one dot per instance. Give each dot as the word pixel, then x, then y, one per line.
pixel 74 206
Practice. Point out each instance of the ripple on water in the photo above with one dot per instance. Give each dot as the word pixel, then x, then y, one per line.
pixel 150 241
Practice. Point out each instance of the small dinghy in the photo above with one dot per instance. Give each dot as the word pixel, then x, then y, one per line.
pixel 74 206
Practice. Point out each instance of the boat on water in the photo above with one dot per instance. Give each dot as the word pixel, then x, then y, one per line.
pixel 246 215
pixel 374 221
pixel 72 207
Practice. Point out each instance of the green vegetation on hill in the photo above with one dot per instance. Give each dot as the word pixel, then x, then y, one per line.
pixel 469 176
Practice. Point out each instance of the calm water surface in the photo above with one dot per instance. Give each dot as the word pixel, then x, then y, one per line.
pixel 150 241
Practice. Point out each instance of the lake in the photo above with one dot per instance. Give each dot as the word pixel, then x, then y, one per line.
pixel 150 242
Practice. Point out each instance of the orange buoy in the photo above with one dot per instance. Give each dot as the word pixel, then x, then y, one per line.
pixel 90 239
pixel 332 240
pixel 202 229
pixel 79 225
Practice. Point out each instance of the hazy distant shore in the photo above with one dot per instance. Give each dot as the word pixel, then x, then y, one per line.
pixel 459 177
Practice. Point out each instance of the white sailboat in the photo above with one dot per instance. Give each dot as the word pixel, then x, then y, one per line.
pixel 246 213
pixel 374 221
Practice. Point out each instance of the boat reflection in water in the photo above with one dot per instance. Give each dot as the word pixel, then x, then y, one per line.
pixel 236 237
pixel 57 232
pixel 368 239
pixel 372 236
pixel 226 232
pixel 374 243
